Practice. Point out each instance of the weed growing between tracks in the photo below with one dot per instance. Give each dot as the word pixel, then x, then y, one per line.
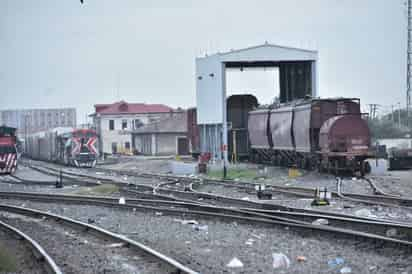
pixel 7 261
pixel 98 190
pixel 235 173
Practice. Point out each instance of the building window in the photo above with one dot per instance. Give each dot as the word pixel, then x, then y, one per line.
pixel 137 123
pixel 127 145
pixel 124 124
pixel 111 124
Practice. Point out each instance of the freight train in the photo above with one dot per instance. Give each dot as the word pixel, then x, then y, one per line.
pixel 328 134
pixel 75 147
pixel 325 134
pixel 8 150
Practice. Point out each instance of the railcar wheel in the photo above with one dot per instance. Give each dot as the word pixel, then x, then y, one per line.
pixel 365 168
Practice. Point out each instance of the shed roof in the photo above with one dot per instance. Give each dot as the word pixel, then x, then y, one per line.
pixel 175 124
pixel 123 107
pixel 265 52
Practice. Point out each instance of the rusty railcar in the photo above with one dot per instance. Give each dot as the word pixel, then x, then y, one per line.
pixel 329 134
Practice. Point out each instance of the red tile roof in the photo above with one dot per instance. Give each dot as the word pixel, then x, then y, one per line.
pixel 123 107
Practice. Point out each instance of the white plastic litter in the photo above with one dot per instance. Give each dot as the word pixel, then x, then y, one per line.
pixel 200 227
pixel 115 245
pixel 186 222
pixel 235 262
pixel 320 221
pixel 280 260
pixel 260 236
pixel 364 213
pixel 249 241
pixel 158 213
pixel 391 232
pixel 245 199
pixel 122 201
pixel 346 270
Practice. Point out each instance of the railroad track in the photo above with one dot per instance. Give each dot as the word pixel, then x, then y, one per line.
pixel 377 230
pixel 38 252
pixel 167 264
pixel 161 192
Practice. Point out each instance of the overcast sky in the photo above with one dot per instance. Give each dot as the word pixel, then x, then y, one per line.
pixel 60 53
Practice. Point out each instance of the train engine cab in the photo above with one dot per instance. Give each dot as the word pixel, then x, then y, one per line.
pixel 8 150
pixel 84 148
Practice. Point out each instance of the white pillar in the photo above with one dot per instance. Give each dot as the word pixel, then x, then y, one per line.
pixel 224 118
pixel 314 70
pixel 153 144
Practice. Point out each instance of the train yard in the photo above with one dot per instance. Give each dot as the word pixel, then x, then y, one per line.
pixel 194 220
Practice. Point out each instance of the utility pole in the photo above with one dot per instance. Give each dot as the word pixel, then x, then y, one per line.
pixel 393 114
pixel 399 115
pixel 409 61
pixel 372 110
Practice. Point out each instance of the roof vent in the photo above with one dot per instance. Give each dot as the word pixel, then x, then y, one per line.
pixel 123 106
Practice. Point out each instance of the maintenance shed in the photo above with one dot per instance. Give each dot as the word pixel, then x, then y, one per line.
pixel 167 136
pixel 298 78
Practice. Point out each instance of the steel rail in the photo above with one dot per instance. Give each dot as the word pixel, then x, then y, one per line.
pixel 38 252
pixel 175 265
pixel 298 191
pixel 373 227
pixel 241 203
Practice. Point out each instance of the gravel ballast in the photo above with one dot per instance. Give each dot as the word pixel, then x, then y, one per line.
pixel 15 255
pixel 78 252
pixel 210 250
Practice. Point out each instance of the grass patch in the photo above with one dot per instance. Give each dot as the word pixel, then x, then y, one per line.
pixel 97 190
pixel 235 173
pixel 7 262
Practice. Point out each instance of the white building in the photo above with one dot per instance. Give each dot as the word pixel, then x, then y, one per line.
pixel 115 122
pixel 298 77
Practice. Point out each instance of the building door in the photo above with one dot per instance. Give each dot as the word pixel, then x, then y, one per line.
pixel 182 146
pixel 114 148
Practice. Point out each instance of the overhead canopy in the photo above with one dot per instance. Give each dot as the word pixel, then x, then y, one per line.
pixel 297 76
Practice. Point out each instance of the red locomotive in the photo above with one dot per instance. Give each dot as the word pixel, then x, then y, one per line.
pixel 8 150
pixel 76 147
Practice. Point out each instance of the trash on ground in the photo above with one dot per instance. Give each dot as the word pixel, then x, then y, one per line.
pixel 249 241
pixel 245 199
pixel 158 213
pixel 348 206
pixel 115 245
pixel 186 222
pixel 301 259
pixel 335 262
pixel 122 201
pixel 235 262
pixel 260 236
pixel 320 221
pixel 90 220
pixel 346 270
pixel 364 213
pixel 200 227
pixel 280 260
pixel 392 232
